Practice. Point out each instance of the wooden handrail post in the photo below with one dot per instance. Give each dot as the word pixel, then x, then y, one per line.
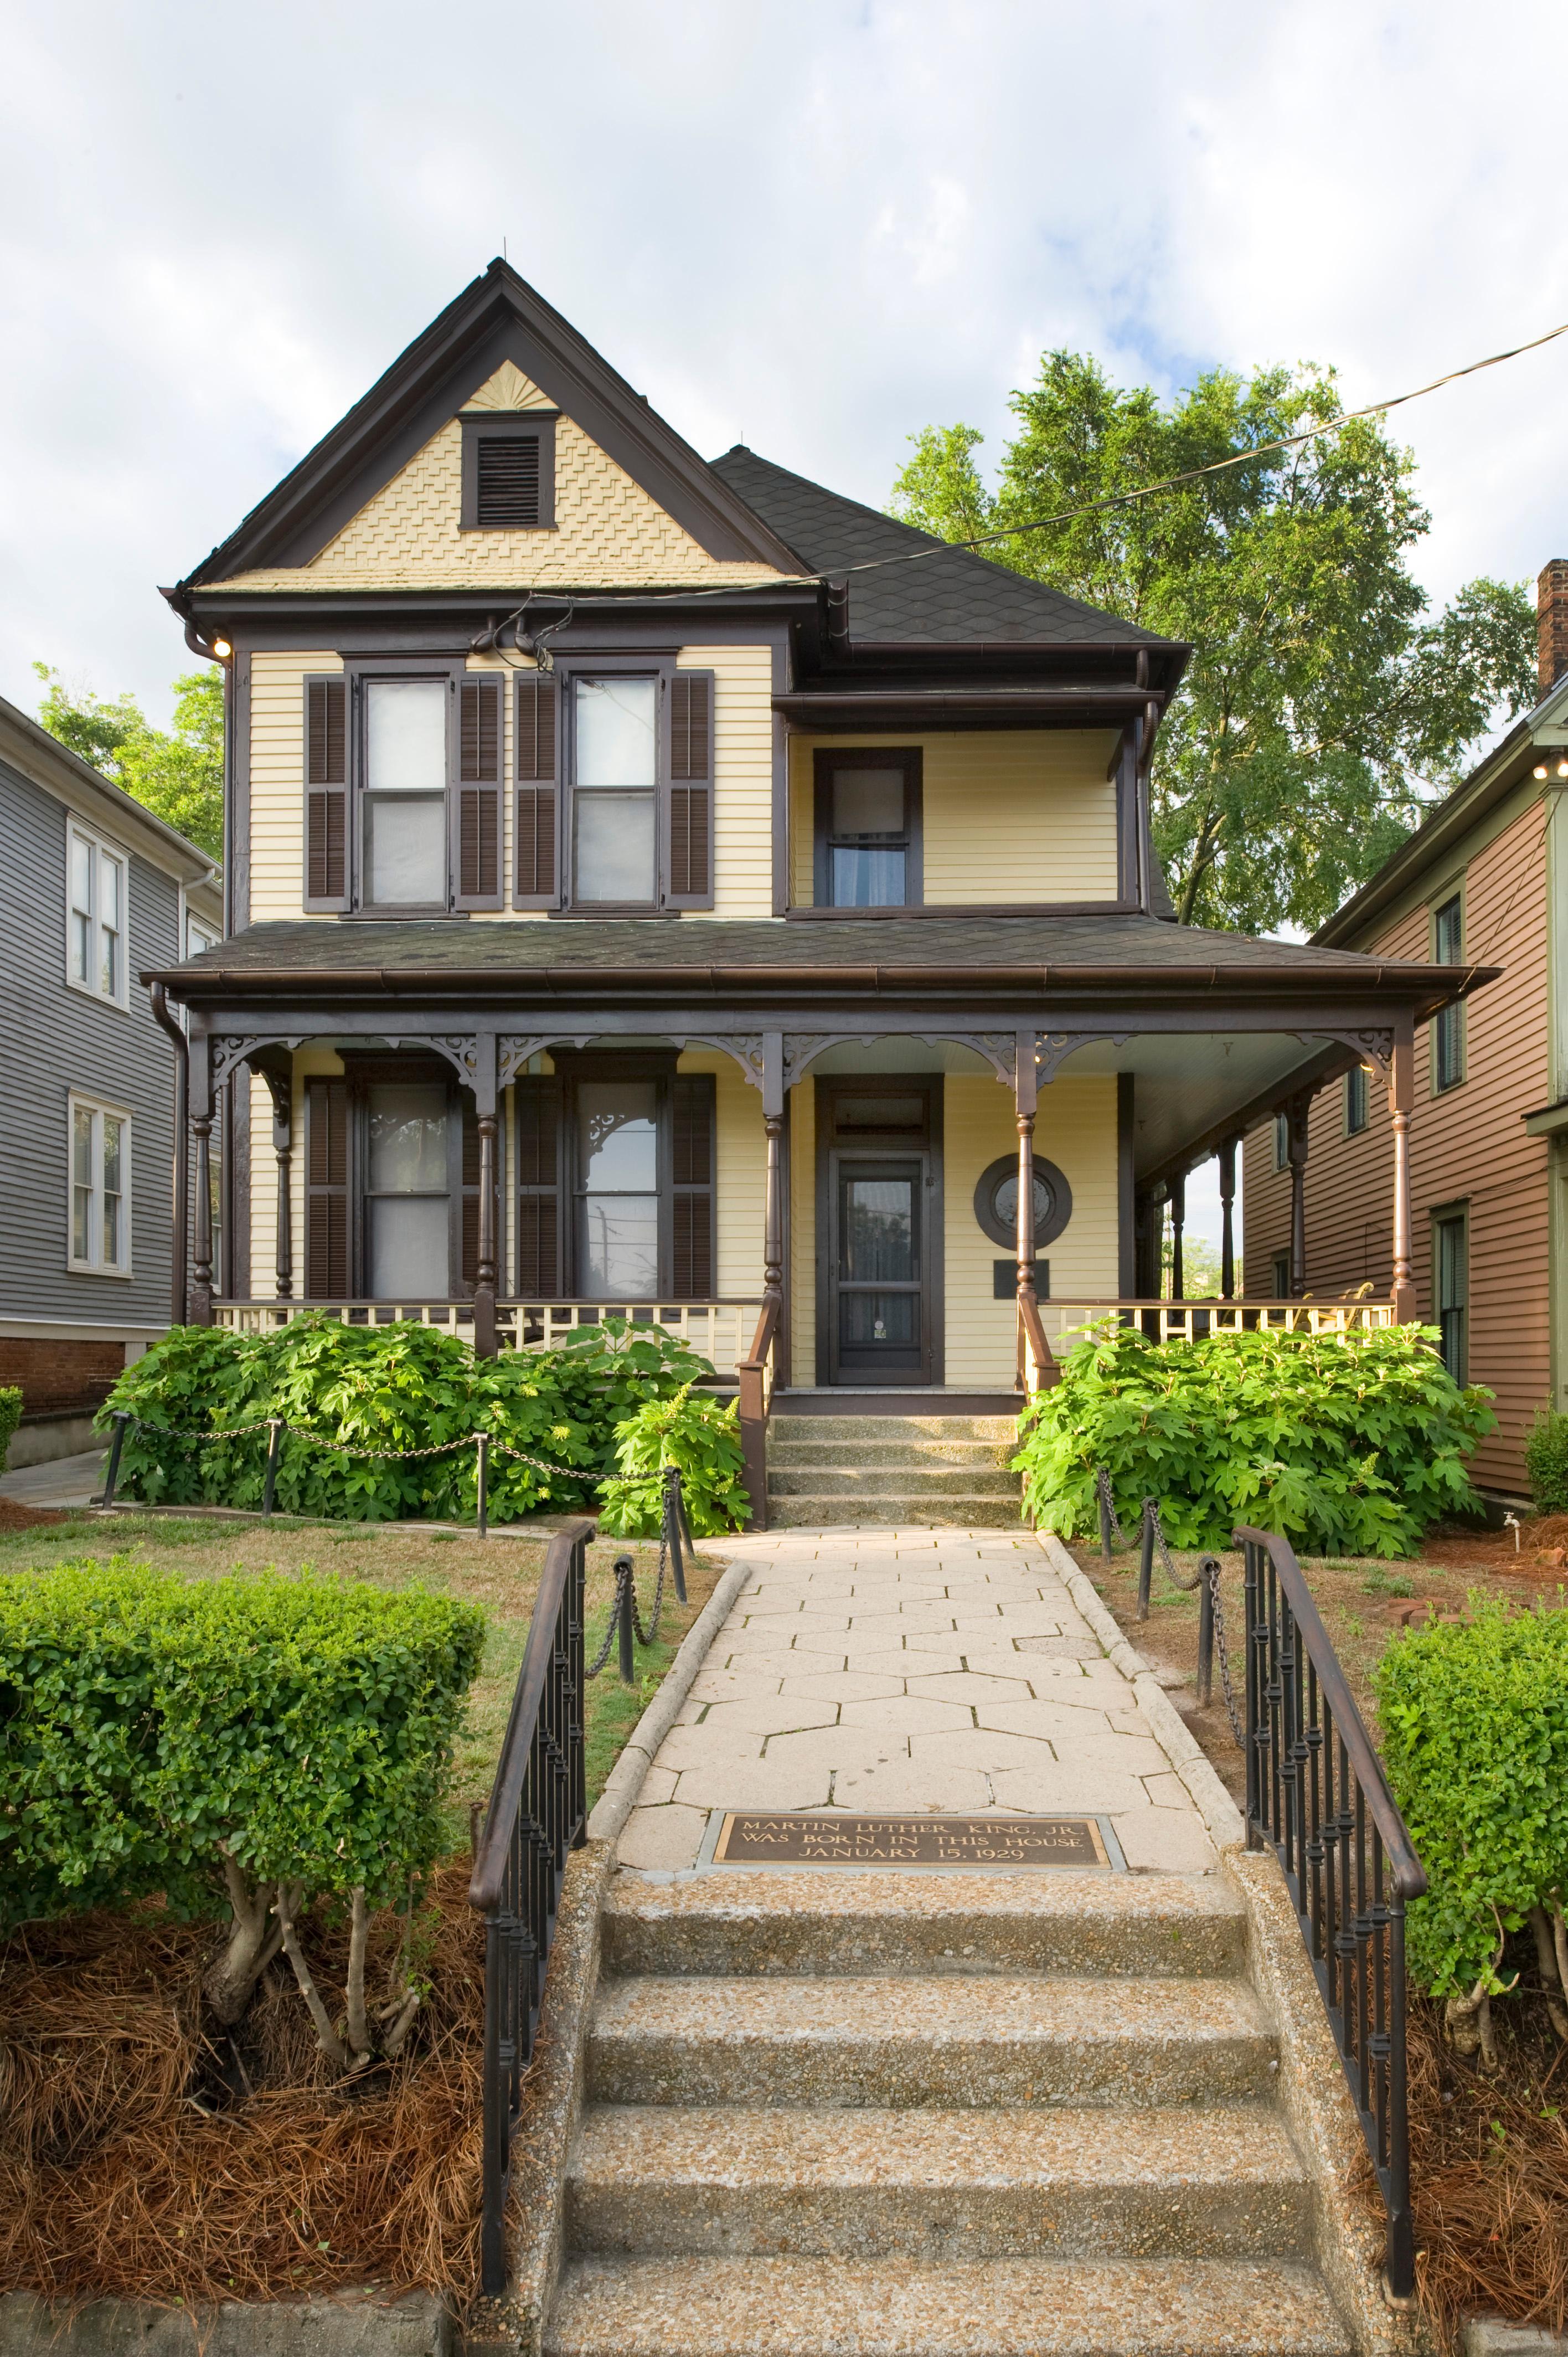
pixel 1025 1099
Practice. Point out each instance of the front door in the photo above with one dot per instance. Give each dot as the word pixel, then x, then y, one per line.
pixel 879 1234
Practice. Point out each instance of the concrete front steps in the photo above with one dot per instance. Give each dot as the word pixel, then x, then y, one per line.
pixel 949 1470
pixel 906 2116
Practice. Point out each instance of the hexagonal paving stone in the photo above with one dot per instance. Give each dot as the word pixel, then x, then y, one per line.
pixel 907 1714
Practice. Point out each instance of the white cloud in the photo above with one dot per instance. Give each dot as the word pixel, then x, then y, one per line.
pixel 823 226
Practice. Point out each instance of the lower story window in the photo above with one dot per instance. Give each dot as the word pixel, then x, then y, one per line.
pixel 407 1192
pixel 1282 1276
pixel 615 1184
pixel 392 1184
pixel 100 1149
pixel 1451 1290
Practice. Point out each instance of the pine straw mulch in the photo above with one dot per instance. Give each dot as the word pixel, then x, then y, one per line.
pixel 14 1516
pixel 1488 2168
pixel 145 2156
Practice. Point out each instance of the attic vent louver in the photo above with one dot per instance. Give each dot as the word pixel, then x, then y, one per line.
pixel 508 484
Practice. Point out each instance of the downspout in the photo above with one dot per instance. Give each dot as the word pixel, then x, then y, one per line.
pixel 180 1298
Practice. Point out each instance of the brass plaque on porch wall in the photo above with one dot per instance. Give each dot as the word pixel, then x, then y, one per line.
pixel 763 1839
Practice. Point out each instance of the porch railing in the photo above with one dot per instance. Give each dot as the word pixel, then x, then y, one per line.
pixel 1317 1796
pixel 1183 1321
pixel 722 1330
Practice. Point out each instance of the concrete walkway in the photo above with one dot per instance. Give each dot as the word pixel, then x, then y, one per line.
pixel 906 1672
pixel 60 1481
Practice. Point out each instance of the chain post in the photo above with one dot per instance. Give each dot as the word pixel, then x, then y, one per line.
pixel 673 1527
pixel 625 1606
pixel 112 1472
pixel 274 1449
pixel 1104 1520
pixel 1207 1576
pixel 1146 1559
pixel 482 1479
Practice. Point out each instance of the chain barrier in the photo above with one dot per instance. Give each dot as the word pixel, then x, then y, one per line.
pixel 1211 1632
pixel 276 1427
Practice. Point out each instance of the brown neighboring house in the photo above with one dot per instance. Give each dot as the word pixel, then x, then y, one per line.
pixel 1481 883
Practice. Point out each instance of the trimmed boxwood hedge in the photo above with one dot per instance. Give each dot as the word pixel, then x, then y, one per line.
pixel 152 1728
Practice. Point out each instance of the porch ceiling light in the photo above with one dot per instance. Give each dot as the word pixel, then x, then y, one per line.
pixel 222 649
pixel 1540 769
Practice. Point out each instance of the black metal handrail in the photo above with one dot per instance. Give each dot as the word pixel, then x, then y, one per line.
pixel 536 1816
pixel 1317 1795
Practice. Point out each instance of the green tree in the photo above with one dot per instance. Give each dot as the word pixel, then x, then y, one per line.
pixel 1322 710
pixel 180 774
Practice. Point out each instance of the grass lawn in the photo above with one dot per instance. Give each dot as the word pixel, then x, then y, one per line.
pixel 501 1574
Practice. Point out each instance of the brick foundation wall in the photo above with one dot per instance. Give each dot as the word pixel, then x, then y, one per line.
pixel 59 1378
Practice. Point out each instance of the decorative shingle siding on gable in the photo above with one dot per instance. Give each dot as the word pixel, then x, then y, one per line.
pixel 607 531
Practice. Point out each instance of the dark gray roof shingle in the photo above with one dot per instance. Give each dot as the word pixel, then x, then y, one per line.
pixel 953 598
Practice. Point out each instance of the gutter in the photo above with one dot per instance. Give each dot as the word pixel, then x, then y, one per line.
pixel 574 982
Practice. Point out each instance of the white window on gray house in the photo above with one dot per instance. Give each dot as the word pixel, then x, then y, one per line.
pixel 198 936
pixel 100 1150
pixel 614 780
pixel 95 924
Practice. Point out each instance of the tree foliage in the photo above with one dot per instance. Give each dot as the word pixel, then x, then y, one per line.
pixel 179 774
pixel 1322 709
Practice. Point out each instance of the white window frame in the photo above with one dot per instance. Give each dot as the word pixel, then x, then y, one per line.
pixel 99 849
pixel 77 1101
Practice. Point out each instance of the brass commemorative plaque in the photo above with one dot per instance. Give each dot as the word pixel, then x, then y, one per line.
pixel 764 1838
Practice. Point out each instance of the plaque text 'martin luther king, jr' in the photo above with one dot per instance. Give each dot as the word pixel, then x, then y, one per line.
pixel 835 1839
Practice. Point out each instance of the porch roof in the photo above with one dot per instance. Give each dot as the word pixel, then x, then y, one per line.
pixel 1056 957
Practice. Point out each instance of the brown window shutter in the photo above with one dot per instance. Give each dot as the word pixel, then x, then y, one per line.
pixel 691 1171
pixel 541 1276
pixel 326 793
pixel 326 1190
pixel 690 866
pixel 478 847
pixel 535 884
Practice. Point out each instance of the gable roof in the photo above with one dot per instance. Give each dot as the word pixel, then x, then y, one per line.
pixel 949 597
pixel 497 317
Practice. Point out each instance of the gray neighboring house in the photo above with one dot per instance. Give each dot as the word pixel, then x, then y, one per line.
pixel 94 889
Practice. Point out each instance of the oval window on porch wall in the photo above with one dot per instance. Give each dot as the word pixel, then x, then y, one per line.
pixel 996 1201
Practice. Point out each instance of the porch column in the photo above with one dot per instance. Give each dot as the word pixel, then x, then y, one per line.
pixel 201 1225
pixel 1025 1086
pixel 179 1240
pixel 1178 1189
pixel 1226 1219
pixel 280 1090
pixel 1400 1097
pixel 484 1273
pixel 1300 1106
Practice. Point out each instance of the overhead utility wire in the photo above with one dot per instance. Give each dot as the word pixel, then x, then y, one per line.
pixel 489 638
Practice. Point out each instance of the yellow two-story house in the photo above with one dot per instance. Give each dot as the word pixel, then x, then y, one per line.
pixel 671 887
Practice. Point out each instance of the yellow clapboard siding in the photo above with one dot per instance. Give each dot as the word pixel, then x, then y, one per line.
pixel 277 780
pixel 741 1160
pixel 1008 814
pixel 1076 1129
pixel 743 775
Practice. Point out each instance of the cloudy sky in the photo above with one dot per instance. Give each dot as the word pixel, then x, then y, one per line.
pixel 811 225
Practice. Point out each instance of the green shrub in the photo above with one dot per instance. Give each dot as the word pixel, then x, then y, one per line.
pixel 10 1415
pixel 404 1386
pixel 1347 1444
pixel 699 1435
pixel 1475 1721
pixel 1546 1463
pixel 261 1746
pixel 150 1725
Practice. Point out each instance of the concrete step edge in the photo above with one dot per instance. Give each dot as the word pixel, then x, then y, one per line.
pixel 1009 2308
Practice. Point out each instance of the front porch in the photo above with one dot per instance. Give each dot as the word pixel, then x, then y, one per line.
pixel 891 1182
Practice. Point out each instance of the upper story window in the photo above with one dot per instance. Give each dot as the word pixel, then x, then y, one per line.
pixel 1448 1023
pixel 402 792
pixel 868 829
pixel 508 471
pixel 95 924
pixel 1357 1108
pixel 100 1149
pixel 615 788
